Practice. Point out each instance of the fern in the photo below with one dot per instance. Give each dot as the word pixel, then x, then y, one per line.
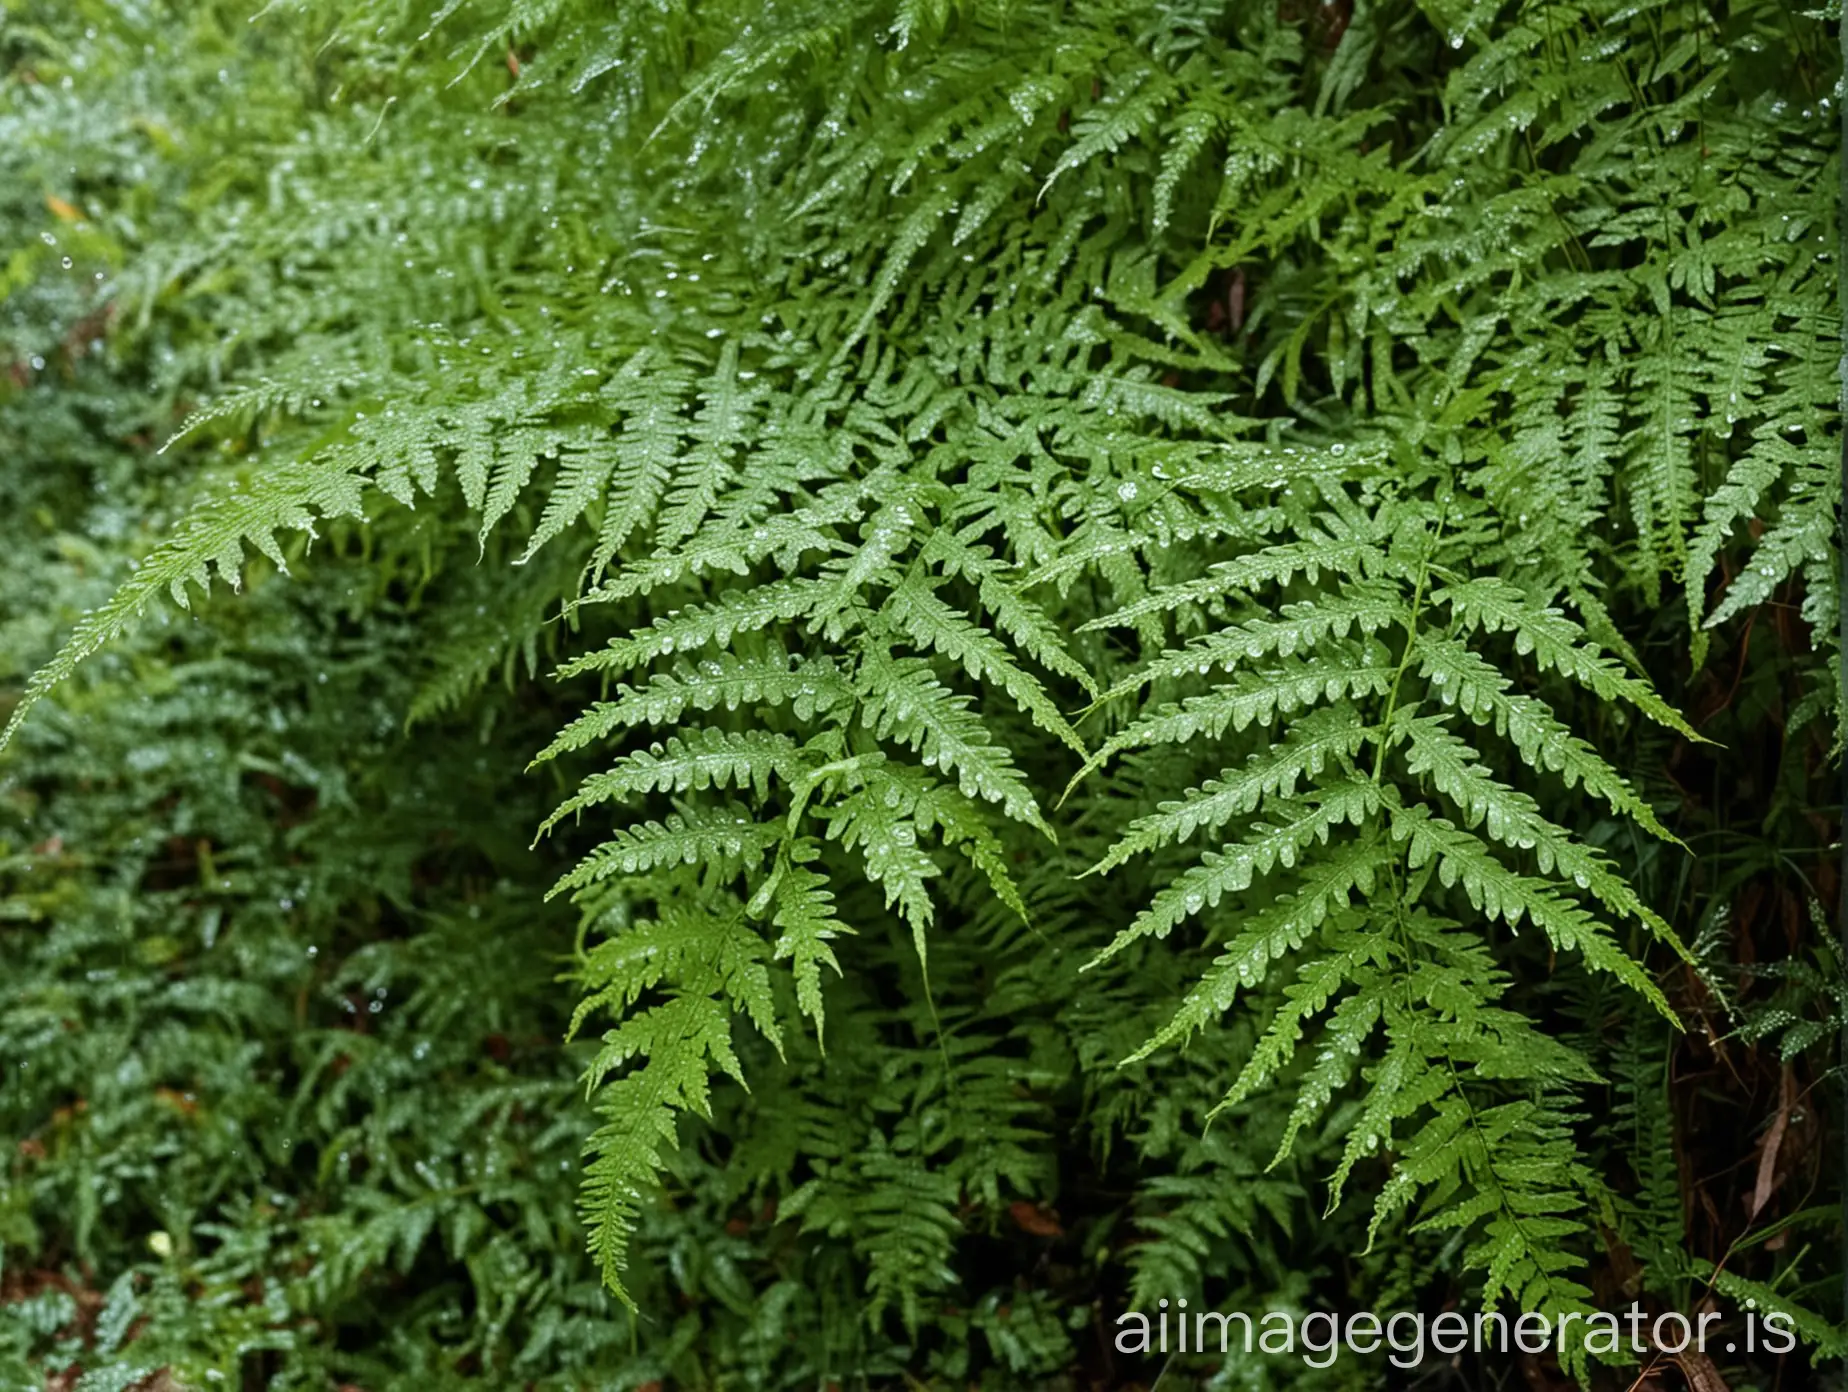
pixel 1101 567
pixel 1344 797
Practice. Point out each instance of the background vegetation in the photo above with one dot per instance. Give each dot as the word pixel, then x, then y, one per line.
pixel 1166 649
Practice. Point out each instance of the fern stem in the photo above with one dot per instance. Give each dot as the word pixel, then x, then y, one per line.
pixel 1405 656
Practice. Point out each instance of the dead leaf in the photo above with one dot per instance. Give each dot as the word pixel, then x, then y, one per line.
pixel 1702 1376
pixel 1030 1217
pixel 1773 1142
pixel 176 1100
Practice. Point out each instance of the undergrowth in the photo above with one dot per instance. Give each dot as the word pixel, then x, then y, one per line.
pixel 906 675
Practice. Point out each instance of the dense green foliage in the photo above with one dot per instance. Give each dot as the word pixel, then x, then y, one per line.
pixel 1156 648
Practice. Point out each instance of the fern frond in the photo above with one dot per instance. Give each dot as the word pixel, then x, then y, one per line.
pixel 723 836
pixel 703 759
pixel 809 686
pixel 680 1041
pixel 286 497
pixel 806 922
